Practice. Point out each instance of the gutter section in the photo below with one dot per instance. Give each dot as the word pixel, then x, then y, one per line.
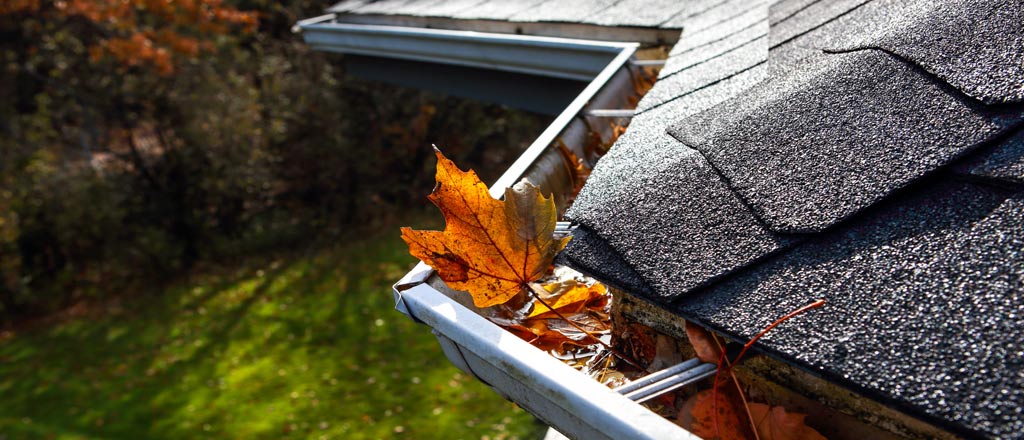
pixel 653 35
pixel 562 397
pixel 615 67
pixel 558 394
pixel 579 60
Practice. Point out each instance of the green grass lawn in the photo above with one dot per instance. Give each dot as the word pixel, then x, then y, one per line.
pixel 304 345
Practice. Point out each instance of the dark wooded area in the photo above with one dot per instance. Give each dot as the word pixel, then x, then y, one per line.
pixel 139 138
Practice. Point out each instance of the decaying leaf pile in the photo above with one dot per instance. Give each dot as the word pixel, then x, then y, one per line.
pixel 501 253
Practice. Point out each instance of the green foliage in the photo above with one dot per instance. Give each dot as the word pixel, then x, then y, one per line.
pixel 114 174
pixel 302 345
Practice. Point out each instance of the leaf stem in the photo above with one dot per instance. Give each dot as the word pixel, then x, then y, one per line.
pixel 533 291
pixel 813 305
pixel 739 389
pixel 728 364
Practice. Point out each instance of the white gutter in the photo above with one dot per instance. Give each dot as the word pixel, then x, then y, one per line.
pixel 548 136
pixel 562 397
pixel 579 60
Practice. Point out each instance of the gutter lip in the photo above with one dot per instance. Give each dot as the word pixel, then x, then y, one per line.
pixel 561 396
pixel 578 60
pixel 322 23
pixel 299 25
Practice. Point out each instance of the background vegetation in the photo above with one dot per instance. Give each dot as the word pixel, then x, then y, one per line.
pixel 181 185
pixel 132 165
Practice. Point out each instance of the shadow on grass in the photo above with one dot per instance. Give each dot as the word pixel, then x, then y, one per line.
pixel 303 345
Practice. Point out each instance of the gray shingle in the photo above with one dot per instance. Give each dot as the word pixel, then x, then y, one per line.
pixel 709 231
pixel 783 9
pixel 496 10
pixel 719 23
pixel 682 59
pixel 698 100
pixel 700 75
pixel 823 24
pixel 387 7
pixel 814 148
pixel 347 5
pixel 592 255
pixel 691 8
pixel 706 12
pixel 647 13
pixel 975 45
pixel 444 8
pixel 566 11
pixel 1003 161
pixel 925 305
pixel 788 22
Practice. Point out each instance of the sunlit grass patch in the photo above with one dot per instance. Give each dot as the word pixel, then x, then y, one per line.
pixel 300 345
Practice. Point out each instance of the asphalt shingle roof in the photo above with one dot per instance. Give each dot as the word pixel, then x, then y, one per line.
pixel 495 10
pixel 874 158
pixel 570 11
pixel 826 142
pixel 976 49
pixel 924 304
pixel 1004 160
pixel 675 218
pixel 649 13
pixel 667 14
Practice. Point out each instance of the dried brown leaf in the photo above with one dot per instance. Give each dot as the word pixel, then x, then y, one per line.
pixel 716 415
pixel 774 423
pixel 568 296
pixel 703 343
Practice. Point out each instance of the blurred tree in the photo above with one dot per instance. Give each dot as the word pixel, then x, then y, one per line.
pixel 138 137
pixel 85 88
pixel 155 33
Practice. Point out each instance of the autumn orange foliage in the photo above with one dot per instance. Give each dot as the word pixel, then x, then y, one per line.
pixel 147 33
pixel 490 248
pixel 18 6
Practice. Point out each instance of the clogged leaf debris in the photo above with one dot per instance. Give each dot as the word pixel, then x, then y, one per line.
pixel 495 250
pixel 721 412
pixel 574 323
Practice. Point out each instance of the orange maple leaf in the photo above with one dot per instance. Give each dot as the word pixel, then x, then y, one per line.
pixel 489 248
